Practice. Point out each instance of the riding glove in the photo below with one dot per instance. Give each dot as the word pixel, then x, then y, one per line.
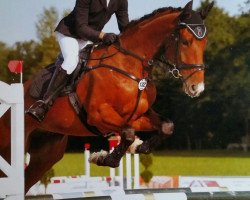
pixel 109 38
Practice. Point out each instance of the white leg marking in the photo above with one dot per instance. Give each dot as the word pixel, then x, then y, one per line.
pixel 134 145
pixel 93 158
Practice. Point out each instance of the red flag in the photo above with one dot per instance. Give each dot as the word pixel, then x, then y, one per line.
pixel 87 146
pixel 16 66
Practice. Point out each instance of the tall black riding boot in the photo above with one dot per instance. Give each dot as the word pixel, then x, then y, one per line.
pixel 57 83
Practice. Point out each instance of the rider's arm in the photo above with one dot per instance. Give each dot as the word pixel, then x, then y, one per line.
pixel 122 15
pixel 82 28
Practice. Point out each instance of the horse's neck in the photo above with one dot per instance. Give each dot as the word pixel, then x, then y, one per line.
pixel 146 37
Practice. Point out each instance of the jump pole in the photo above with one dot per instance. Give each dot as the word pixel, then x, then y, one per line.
pixel 154 194
pixel 129 171
pixel 136 171
pixel 120 173
pixel 113 142
pixel 86 160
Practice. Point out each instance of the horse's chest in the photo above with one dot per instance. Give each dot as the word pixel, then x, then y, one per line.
pixel 138 101
pixel 136 104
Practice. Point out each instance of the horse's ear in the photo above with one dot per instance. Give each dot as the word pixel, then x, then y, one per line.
pixel 204 12
pixel 188 6
pixel 186 13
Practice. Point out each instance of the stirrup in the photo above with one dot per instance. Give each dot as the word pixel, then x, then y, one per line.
pixel 37 110
pixel 39 102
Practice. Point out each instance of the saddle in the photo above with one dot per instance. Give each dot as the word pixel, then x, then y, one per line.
pixel 41 81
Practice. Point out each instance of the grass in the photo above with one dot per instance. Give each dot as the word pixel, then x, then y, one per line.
pixel 185 163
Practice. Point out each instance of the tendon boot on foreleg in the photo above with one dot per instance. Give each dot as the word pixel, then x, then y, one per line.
pixel 113 159
pixel 149 145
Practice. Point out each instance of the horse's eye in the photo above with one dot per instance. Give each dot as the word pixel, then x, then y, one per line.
pixel 185 42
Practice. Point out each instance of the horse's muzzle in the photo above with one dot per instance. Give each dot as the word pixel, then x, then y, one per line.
pixel 194 90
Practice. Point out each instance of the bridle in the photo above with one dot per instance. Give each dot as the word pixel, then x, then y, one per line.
pixel 173 67
pixel 177 65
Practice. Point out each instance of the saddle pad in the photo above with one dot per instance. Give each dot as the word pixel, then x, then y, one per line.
pixel 41 81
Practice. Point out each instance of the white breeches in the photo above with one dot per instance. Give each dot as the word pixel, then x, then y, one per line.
pixel 70 48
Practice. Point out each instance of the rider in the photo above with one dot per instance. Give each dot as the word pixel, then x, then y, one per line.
pixel 82 26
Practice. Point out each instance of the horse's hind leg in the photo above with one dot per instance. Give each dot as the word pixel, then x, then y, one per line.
pixel 113 159
pixel 45 150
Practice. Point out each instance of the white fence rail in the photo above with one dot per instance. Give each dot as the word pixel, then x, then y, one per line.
pixel 12 186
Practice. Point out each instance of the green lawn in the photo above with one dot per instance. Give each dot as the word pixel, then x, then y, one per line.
pixel 194 163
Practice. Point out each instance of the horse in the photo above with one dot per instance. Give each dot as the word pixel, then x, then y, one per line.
pixel 117 90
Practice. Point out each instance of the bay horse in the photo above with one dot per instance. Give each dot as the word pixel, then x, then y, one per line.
pixel 117 91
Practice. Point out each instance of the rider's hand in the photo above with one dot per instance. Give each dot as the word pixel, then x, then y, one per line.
pixel 109 38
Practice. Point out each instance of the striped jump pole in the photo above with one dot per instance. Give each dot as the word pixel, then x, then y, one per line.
pixel 152 194
pixel 113 142
pixel 136 171
pixel 129 171
pixel 86 160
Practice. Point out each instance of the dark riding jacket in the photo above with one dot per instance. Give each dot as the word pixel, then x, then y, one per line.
pixel 89 17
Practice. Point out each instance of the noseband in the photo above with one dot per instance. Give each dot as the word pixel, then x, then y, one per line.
pixel 177 65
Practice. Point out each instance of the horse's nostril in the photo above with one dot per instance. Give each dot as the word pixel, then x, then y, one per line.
pixel 193 88
pixel 196 89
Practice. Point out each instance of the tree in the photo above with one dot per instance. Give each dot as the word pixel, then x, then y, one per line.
pixel 46 23
pixel 217 117
pixel 246 8
pixel 220 32
pixel 4 51
pixel 35 55
pixel 228 77
pixel 28 52
pixel 45 31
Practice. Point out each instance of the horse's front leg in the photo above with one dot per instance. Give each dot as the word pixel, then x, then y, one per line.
pixel 112 159
pixel 151 121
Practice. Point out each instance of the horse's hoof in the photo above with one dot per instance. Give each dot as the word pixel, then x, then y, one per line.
pixel 97 157
pixel 133 147
pixel 102 158
pixel 167 128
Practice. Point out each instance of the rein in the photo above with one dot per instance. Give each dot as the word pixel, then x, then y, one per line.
pixel 144 61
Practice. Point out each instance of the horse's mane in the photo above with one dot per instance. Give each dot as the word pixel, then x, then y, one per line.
pixel 147 16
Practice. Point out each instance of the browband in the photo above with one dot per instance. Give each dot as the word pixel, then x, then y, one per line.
pixel 199 30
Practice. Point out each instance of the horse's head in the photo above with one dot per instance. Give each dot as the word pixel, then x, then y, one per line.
pixel 185 47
